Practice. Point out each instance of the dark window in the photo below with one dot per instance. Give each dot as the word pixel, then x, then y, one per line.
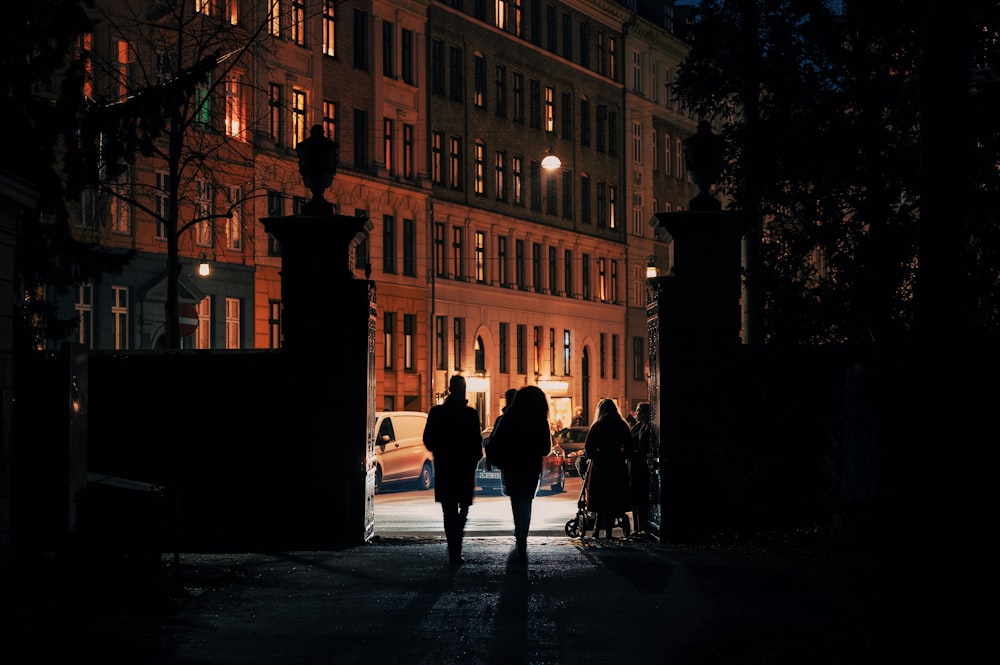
pixel 568 272
pixel 567 194
pixel 407 56
pixel 522 349
pixel 458 329
pixel 551 28
pixel 458 252
pixel 441 341
pixel 553 272
pixel 535 19
pixel 437 67
pixel 502 274
pixel 536 267
pixel 440 268
pixel 585 122
pixel 585 200
pixel 388 54
pixel 520 261
pixel 501 91
pixel 389 244
pixel 480 353
pixel 455 73
pixel 360 20
pixel 409 248
pixel 504 344
pixel 567 25
pixel 408 152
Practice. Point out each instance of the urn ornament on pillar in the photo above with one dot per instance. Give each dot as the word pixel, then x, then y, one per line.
pixel 703 156
pixel 318 157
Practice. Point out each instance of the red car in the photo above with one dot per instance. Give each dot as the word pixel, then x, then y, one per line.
pixel 553 470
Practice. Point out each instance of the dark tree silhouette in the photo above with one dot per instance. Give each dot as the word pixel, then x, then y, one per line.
pixel 874 223
pixel 39 117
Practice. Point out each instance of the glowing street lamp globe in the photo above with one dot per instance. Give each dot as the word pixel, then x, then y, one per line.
pixel 550 162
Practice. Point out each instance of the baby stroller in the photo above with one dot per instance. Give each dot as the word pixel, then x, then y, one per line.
pixel 586 520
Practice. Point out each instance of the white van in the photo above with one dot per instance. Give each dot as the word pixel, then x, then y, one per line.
pixel 400 454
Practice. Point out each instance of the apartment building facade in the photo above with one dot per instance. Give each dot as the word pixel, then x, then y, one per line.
pixel 486 263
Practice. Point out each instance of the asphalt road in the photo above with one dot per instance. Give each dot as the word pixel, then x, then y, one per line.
pixel 404 512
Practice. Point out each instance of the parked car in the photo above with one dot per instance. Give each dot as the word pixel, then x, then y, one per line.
pixel 553 470
pixel 400 454
pixel 571 440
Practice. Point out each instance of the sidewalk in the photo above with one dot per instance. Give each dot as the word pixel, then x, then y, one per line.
pixel 399 601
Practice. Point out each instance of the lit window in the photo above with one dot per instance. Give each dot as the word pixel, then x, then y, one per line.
pixel 233 336
pixel 298 116
pixel 119 316
pixel 85 314
pixel 329 28
pixel 123 65
pixel 235 113
pixel 203 333
pixel 274 18
pixel 234 223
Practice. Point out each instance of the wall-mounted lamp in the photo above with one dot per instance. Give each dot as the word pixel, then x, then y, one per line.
pixel 550 162
pixel 651 269
pixel 204 267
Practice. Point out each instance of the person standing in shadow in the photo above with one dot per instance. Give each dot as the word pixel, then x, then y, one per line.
pixel 639 468
pixel 453 436
pixel 607 446
pixel 518 443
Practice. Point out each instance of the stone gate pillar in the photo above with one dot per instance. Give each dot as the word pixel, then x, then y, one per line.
pixel 328 338
pixel 695 319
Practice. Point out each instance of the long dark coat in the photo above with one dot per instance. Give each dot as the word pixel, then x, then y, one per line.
pixel 607 445
pixel 524 444
pixel 453 436
pixel 639 463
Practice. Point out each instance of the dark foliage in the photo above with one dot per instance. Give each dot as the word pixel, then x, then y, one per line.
pixel 38 42
pixel 829 143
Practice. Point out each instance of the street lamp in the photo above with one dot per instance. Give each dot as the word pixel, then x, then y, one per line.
pixel 550 162
pixel 651 270
pixel 204 267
